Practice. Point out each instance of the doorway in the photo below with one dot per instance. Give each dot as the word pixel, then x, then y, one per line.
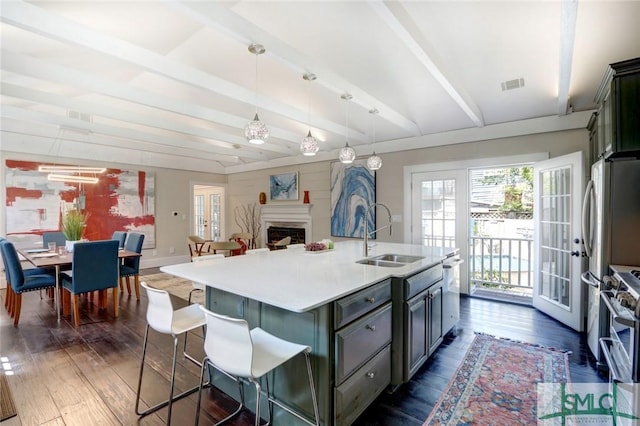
pixel 539 258
pixel 208 218
pixel 501 233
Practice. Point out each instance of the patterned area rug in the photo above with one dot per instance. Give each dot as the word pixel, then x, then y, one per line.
pixel 496 383
pixel 174 285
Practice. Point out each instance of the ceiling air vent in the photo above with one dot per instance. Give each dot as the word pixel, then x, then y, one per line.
pixel 512 84
pixel 82 116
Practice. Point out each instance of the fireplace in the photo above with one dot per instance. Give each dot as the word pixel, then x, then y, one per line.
pixel 276 233
pixel 292 219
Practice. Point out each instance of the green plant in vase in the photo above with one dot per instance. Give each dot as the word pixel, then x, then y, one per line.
pixel 73 225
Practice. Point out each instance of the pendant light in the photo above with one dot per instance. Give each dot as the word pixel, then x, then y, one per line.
pixel 374 162
pixel 347 154
pixel 256 131
pixel 309 145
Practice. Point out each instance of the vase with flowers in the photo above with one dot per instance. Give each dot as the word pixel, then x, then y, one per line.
pixel 73 224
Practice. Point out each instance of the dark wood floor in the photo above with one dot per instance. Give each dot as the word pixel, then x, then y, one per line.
pixel 88 375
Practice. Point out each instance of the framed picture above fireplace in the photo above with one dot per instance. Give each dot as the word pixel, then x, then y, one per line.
pixel 283 186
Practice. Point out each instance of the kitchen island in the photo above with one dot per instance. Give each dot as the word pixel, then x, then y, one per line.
pixel 342 309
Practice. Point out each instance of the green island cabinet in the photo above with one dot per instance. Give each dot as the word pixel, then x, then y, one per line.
pixel 351 358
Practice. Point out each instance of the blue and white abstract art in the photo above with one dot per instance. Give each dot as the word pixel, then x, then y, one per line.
pixel 353 190
pixel 284 186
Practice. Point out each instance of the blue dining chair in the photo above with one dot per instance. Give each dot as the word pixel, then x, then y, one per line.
pixel 130 266
pixel 94 268
pixel 54 237
pixel 21 281
pixel 119 236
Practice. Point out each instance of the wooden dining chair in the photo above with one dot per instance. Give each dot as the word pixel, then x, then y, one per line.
pixel 94 268
pixel 228 246
pixel 244 238
pixel 197 245
pixel 130 266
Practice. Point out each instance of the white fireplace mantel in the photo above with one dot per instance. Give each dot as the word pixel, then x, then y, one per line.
pixel 286 215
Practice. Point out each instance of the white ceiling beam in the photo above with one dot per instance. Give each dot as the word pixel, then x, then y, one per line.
pixel 401 23
pixel 37 141
pixel 221 18
pixel 568 18
pixel 102 110
pixel 36 68
pixel 36 20
pixel 160 143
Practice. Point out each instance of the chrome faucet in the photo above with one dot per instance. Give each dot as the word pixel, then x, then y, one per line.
pixel 365 248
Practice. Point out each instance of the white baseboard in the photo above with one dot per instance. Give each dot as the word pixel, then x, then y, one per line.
pixel 156 262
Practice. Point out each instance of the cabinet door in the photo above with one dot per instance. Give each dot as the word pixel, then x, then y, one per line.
pixel 417 314
pixel 626 109
pixel 435 317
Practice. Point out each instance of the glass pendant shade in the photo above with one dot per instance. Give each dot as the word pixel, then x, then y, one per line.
pixel 347 154
pixel 374 162
pixel 309 145
pixel 256 131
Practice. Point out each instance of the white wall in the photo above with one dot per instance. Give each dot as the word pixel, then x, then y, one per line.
pixel 245 187
pixel 173 186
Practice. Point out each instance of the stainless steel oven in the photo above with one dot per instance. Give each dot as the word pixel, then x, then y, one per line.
pixel 621 348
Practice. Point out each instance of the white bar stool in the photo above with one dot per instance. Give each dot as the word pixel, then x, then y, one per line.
pixel 238 352
pixel 164 319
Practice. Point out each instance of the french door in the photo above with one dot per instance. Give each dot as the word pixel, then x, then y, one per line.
pixel 208 212
pixel 557 289
pixel 439 212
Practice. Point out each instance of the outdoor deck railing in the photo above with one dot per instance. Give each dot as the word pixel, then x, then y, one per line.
pixel 501 263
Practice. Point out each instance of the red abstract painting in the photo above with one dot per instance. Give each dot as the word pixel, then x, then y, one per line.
pixel 121 200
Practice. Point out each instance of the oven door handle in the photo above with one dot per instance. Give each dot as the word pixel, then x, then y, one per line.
pixel 614 313
pixel 616 376
pixel 588 278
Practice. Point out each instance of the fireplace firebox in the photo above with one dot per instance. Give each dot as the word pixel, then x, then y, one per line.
pixel 276 233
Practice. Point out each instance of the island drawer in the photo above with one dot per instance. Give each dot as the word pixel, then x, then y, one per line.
pixel 356 393
pixel 422 280
pixel 361 340
pixel 355 305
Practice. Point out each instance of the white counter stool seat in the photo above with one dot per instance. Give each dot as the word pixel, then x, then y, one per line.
pixel 164 319
pixel 236 351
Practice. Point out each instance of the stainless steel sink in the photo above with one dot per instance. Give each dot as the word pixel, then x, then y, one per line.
pixel 400 258
pixel 390 260
pixel 378 262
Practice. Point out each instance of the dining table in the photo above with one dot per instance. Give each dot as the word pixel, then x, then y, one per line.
pixel 43 258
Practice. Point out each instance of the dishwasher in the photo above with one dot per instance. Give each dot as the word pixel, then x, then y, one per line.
pixel 451 291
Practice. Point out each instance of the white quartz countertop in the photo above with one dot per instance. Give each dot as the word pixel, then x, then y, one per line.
pixel 299 281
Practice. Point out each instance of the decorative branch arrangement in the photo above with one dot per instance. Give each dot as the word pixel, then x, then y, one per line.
pixel 248 219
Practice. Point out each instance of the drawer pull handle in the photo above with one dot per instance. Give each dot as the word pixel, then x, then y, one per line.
pixel 371 374
pixel 371 327
pixel 371 299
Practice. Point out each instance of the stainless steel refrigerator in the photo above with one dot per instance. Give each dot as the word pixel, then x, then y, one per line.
pixel 611 234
